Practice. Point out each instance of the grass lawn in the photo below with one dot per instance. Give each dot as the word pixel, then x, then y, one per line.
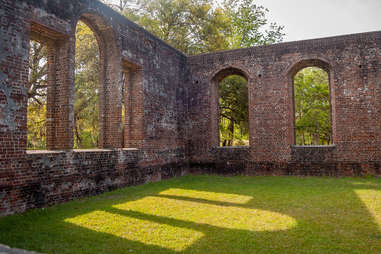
pixel 210 214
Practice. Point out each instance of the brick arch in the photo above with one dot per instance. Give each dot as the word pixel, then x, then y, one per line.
pixel 291 72
pixel 109 78
pixel 308 62
pixel 215 80
pixel 221 73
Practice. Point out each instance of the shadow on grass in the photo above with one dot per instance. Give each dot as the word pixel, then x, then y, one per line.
pixel 330 217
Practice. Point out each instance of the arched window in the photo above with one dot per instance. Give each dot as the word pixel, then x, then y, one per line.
pixel 312 107
pixel 87 71
pixel 100 55
pixel 234 113
pixel 230 111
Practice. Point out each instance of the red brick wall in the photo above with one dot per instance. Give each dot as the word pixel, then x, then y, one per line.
pixel 171 107
pixel 41 178
pixel 353 63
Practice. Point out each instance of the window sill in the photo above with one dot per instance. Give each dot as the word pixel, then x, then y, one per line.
pixel 313 146
pixel 232 147
pixel 44 151
pixel 37 152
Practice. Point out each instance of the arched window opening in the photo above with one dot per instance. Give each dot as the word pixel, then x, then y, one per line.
pixel 233 111
pixel 86 95
pixel 312 107
pixel 37 96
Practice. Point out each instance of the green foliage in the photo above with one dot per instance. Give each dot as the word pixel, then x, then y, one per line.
pixel 234 114
pixel 210 214
pixel 86 88
pixel 192 26
pixel 312 107
pixel 37 96
pixel 200 26
pixel 36 126
pixel 249 26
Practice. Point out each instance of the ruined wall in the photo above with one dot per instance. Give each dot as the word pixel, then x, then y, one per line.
pixel 34 179
pixel 171 126
pixel 353 63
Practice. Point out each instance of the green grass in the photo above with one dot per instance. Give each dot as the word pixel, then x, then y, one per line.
pixel 211 214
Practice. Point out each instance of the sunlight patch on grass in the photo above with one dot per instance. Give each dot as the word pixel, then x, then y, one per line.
pixel 212 215
pixel 366 183
pixel 211 196
pixel 201 213
pixel 144 231
pixel 371 199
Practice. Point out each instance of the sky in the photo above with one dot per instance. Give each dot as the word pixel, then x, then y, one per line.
pixel 306 19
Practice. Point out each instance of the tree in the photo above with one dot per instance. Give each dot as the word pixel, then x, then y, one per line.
pixel 192 26
pixel 234 111
pixel 249 26
pixel 312 107
pixel 119 5
pixel 37 92
pixel 200 26
pixel 86 88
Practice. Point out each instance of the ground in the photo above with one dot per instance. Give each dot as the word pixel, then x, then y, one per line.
pixel 211 214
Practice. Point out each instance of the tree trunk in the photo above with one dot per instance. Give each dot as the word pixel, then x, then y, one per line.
pixel 79 141
pixel 231 129
pixel 317 133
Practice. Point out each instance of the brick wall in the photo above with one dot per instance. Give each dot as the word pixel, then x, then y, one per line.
pixel 171 123
pixel 353 63
pixel 155 101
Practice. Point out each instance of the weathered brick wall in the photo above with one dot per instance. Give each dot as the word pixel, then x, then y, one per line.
pixel 171 119
pixel 55 177
pixel 156 97
pixel 353 63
